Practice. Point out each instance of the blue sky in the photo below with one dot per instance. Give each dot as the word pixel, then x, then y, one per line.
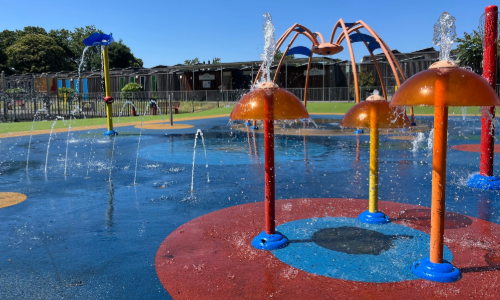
pixel 168 32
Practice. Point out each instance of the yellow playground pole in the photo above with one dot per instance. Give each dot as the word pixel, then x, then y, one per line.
pixel 373 205
pixel 373 215
pixel 108 99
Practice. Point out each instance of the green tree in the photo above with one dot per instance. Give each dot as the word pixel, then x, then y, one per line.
pixel 30 30
pixel 365 79
pixel 7 39
pixel 470 51
pixel 191 62
pixel 278 55
pixel 63 39
pixel 120 56
pixel 35 53
pixel 76 46
pixel 3 63
pixel 216 60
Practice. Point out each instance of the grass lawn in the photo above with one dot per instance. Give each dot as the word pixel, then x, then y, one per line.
pixel 26 126
pixel 316 107
pixel 313 107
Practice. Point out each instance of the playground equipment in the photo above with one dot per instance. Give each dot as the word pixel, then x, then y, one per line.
pixel 441 86
pixel 269 103
pixel 485 179
pixel 351 34
pixel 104 40
pixel 374 113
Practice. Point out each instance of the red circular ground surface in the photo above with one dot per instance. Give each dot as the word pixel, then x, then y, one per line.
pixel 473 148
pixel 211 256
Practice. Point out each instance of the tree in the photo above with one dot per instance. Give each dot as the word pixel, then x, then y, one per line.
pixel 365 79
pixel 216 60
pixel 30 30
pixel 7 39
pixel 470 51
pixel 191 62
pixel 278 55
pixel 63 39
pixel 76 46
pixel 3 63
pixel 35 53
pixel 119 56
pixel 71 42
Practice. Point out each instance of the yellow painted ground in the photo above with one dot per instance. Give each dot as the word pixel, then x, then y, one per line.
pixel 164 126
pixel 104 126
pixel 402 137
pixel 9 199
pixel 278 130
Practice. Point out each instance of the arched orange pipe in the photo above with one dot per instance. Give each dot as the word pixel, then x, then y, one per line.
pixel 384 49
pixel 335 29
pixel 391 58
pixel 320 36
pixel 306 33
pixel 284 55
pixel 351 52
pixel 378 68
pixel 387 51
pixel 307 78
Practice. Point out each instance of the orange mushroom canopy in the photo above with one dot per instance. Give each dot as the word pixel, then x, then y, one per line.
pixel 286 106
pixel 375 114
pixel 445 86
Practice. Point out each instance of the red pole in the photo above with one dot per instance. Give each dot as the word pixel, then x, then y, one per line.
pixel 490 75
pixel 269 160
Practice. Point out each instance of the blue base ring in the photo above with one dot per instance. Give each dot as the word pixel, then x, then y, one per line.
pixel 265 241
pixel 254 127
pixel 373 218
pixel 443 272
pixel 111 132
pixel 305 120
pixel 479 181
pixel 358 131
pixel 248 123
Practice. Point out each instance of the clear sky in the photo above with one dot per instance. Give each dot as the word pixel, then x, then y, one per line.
pixel 168 32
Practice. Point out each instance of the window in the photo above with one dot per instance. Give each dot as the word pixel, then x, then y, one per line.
pixel 122 82
pixel 132 79
pixel 143 82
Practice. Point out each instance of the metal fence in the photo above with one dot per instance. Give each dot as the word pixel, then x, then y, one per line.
pixel 24 107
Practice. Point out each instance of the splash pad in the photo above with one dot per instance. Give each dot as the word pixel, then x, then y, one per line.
pixel 90 233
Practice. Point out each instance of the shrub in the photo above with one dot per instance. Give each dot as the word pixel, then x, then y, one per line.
pixel 129 89
pixel 15 91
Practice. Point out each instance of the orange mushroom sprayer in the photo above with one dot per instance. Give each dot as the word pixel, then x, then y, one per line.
pixel 442 85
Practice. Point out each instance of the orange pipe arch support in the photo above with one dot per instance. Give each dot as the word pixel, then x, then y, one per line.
pixel 351 52
pixel 306 32
pixel 307 78
pixel 284 55
pixel 378 69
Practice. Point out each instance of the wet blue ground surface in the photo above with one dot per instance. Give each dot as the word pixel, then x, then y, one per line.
pixel 89 239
